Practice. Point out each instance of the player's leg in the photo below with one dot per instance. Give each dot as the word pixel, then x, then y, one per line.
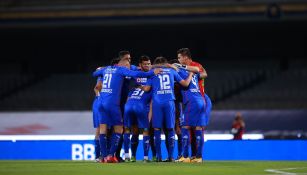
pixel 103 141
pixel 127 125
pixel 117 123
pixel 103 125
pixel 193 143
pixel 199 144
pixel 185 131
pixel 152 143
pixel 178 128
pixel 134 142
pixel 146 144
pixel 157 119
pixel 200 122
pixel 97 130
pixel 127 143
pixel 169 113
pixel 97 145
pixel 143 124
pixel 185 144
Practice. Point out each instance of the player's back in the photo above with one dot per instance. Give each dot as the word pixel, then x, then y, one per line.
pixel 163 85
pixel 192 92
pixel 137 95
pixel 201 82
pixel 112 84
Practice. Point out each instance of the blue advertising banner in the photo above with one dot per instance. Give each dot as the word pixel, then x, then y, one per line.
pixel 213 150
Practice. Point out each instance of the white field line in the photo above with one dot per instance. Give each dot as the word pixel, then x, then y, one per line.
pixel 284 171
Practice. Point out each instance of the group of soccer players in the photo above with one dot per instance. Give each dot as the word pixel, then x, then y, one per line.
pixel 167 96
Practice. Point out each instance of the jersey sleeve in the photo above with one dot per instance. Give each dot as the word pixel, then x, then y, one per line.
pixel 177 77
pixel 148 82
pixel 134 68
pixel 98 73
pixel 99 78
pixel 141 74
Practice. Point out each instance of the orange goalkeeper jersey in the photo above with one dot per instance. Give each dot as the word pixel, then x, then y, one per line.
pixel 201 83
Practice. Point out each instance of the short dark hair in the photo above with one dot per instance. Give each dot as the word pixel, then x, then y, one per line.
pixel 160 60
pixel 122 53
pixel 115 61
pixel 144 58
pixel 184 52
pixel 173 61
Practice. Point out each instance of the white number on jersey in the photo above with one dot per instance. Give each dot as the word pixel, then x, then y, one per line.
pixel 194 81
pixel 106 81
pixel 138 92
pixel 164 82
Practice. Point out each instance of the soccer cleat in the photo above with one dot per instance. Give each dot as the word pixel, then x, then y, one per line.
pixel 184 160
pixel 133 159
pixel 197 160
pixel 127 160
pixel 111 159
pixel 146 161
pixel 104 160
pixel 193 157
pixel 179 157
pixel 119 159
pixel 159 160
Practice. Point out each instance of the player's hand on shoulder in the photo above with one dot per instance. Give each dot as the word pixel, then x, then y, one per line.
pixel 157 71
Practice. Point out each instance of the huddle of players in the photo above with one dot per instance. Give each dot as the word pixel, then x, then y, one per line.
pixel 146 97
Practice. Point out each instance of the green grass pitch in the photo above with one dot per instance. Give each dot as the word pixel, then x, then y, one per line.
pixel 140 168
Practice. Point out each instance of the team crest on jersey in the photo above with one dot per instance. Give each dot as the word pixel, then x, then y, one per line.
pixel 141 80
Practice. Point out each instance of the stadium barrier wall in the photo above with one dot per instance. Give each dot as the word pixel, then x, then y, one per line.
pixel 83 149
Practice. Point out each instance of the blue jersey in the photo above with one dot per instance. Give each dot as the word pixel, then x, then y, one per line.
pixel 191 92
pixel 113 78
pixel 138 95
pixel 163 85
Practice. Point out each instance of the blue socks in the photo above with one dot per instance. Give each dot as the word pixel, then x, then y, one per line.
pixel 126 142
pixel 157 140
pixel 134 144
pixel 199 143
pixel 185 142
pixel 146 144
pixel 179 145
pixel 114 143
pixel 103 145
pixel 171 143
pixel 97 149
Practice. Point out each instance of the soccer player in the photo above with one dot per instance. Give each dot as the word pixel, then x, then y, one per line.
pixel 136 115
pixel 194 116
pixel 163 107
pixel 97 89
pixel 185 58
pixel 109 105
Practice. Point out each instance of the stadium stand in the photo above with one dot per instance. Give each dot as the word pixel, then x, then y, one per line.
pixel 231 85
pixel 57 92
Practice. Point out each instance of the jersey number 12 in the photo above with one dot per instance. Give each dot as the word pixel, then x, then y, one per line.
pixel 164 82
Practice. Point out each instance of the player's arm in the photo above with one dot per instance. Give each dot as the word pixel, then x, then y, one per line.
pixel 98 72
pixel 140 74
pixel 187 81
pixel 193 69
pixel 150 111
pixel 203 73
pixel 146 88
pixel 98 88
pixel 167 65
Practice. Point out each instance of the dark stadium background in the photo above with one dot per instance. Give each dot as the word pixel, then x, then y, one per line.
pixel 255 58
